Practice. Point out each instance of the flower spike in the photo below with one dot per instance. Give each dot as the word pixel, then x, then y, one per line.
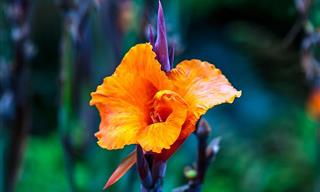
pixel 161 46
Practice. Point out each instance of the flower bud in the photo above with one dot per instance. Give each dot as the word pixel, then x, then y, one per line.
pixel 213 148
pixel 161 46
pixel 190 173
pixel 203 128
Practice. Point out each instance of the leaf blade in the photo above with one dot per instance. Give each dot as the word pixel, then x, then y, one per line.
pixel 124 166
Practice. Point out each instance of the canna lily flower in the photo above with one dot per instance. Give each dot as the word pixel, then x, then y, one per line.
pixel 148 104
pixel 143 105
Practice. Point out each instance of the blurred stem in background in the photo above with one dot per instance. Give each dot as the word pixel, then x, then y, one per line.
pixel 303 8
pixel 75 74
pixel 308 10
pixel 5 91
pixel 76 119
pixel 114 25
pixel 18 14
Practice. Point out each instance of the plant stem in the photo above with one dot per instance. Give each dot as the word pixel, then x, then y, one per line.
pixel 206 152
pixel 19 15
pixel 151 171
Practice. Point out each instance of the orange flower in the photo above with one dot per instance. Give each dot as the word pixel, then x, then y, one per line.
pixel 141 104
pixel 314 104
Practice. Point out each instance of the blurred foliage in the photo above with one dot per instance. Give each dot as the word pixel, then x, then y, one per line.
pixel 43 166
pixel 268 140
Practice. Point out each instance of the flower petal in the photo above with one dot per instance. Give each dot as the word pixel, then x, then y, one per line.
pixel 170 106
pixel 124 99
pixel 118 127
pixel 202 86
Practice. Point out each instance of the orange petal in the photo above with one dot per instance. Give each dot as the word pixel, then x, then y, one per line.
pixel 202 86
pixel 168 106
pixel 118 127
pixel 124 166
pixel 124 99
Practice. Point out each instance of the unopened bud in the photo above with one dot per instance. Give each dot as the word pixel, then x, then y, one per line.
pixel 161 45
pixel 203 128
pixel 190 173
pixel 213 148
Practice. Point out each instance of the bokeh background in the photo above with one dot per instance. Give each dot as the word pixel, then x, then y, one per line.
pixel 53 53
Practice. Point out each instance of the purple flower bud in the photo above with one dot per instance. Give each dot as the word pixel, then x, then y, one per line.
pixel 161 46
pixel 203 128
pixel 213 148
